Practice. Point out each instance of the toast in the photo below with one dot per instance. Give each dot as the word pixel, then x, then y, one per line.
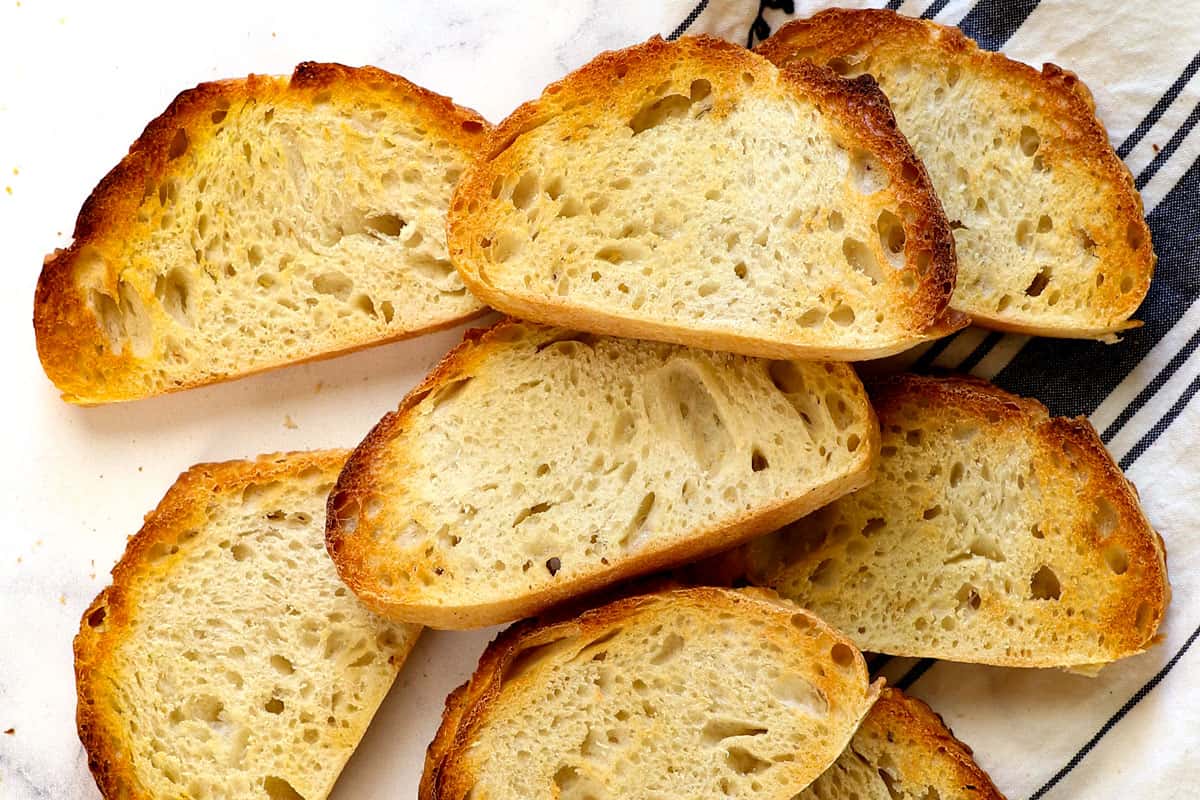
pixel 991 533
pixel 689 693
pixel 257 223
pixel 226 659
pixel 1048 223
pixel 903 751
pixel 690 192
pixel 536 464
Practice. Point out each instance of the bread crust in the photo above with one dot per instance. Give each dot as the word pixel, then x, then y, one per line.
pixel 70 341
pixel 857 107
pixel 1129 619
pixel 837 32
pixel 104 625
pixel 359 480
pixel 931 750
pixel 469 707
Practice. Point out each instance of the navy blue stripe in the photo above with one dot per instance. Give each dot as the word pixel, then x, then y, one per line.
pixel 1159 109
pixel 927 358
pixel 934 9
pixel 913 675
pixel 1138 696
pixel 1162 156
pixel 1152 435
pixel 1073 377
pixel 688 20
pixel 993 22
pixel 894 4
pixel 1151 388
pixel 981 350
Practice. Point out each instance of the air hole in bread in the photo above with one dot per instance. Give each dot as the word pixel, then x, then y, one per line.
pixel 1117 559
pixel 95 619
pixel 621 252
pixel 891 237
pixel 825 575
pixel 758 461
pixel 179 145
pixel 1030 140
pixel 672 106
pixel 1044 585
pixel 741 760
pixel 968 598
pixel 334 283
pixel 739 270
pixel 812 318
pixel 861 259
pixel 835 221
pixel 1024 233
pixel 1086 241
pixel 670 648
pixel 1104 517
pixel 282 665
pixel 274 706
pixel 842 315
pixel 385 224
pixel 279 789
pixel 1135 235
pixel 1126 284
pixel 718 730
pixel 867 173
pixel 530 511
pixel 635 532
pixel 1045 224
pixel 1039 282
pixel 1142 617
pixel 531 658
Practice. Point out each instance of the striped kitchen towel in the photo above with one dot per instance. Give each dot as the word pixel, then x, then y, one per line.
pixel 1134 731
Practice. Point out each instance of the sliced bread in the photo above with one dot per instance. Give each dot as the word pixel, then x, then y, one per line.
pixel 535 464
pixel 256 223
pixel 691 192
pixel 226 659
pixel 903 751
pixel 688 693
pixel 991 533
pixel 1048 223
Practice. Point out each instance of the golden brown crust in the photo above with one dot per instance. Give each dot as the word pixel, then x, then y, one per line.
pixel 837 33
pixel 70 342
pixel 858 108
pixel 897 715
pixel 106 620
pixel 468 707
pixel 1064 447
pixel 352 554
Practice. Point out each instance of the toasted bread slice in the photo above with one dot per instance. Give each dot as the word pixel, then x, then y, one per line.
pixel 1048 223
pixel 536 464
pixel 689 693
pixel 226 659
pixel 991 533
pixel 257 223
pixel 903 751
pixel 691 192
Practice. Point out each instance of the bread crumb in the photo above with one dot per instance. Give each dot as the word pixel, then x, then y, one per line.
pixel 8 189
pixel 16 171
pixel 12 731
pixel 62 599
pixel 289 423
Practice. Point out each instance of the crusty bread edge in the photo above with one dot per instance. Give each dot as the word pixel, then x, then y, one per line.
pixel 896 710
pixel 65 330
pixel 847 29
pixel 858 106
pixel 1141 542
pixel 467 706
pixel 180 509
pixel 356 481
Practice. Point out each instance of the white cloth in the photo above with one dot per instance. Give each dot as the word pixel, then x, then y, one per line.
pixel 78 80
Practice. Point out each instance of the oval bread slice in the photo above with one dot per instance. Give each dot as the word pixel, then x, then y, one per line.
pixel 1048 223
pixel 991 533
pixel 903 751
pixel 689 693
pixel 535 464
pixel 226 659
pixel 691 192
pixel 256 223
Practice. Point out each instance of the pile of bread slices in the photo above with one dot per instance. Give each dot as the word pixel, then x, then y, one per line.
pixel 661 461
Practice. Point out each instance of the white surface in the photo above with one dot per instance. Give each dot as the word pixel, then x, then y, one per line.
pixel 78 82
